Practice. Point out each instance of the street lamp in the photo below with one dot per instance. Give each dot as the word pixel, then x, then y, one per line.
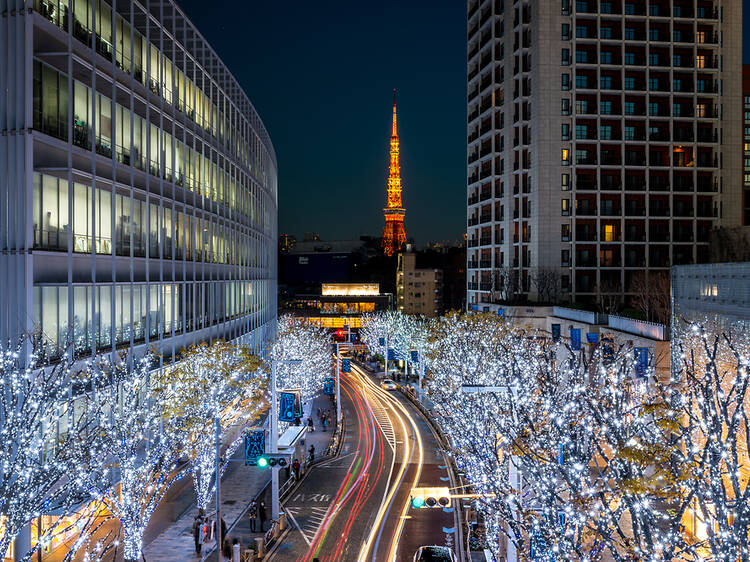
pixel 274 444
pixel 338 378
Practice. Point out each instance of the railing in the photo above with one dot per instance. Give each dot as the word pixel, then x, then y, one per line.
pixel 638 327
pixel 585 316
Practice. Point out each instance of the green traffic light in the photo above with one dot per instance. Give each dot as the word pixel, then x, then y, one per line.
pixel 417 502
pixel 262 462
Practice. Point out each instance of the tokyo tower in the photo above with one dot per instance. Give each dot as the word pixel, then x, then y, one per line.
pixel 394 234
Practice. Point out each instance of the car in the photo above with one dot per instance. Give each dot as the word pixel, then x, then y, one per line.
pixel 434 553
pixel 388 384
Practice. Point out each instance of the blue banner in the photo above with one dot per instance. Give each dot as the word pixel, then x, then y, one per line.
pixel 391 354
pixel 641 361
pixel 287 406
pixel 328 387
pixel 592 337
pixel 415 356
pixel 555 332
pixel 575 339
pixel 381 342
pixel 346 365
pixel 561 454
pixel 501 312
pixel 255 446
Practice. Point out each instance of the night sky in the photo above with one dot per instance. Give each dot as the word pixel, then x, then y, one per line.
pixel 321 75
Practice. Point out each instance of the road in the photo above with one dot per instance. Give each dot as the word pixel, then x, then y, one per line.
pixel 357 505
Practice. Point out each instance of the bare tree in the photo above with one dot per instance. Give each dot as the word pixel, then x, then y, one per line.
pixel 507 284
pixel 546 281
pixel 651 295
pixel 608 296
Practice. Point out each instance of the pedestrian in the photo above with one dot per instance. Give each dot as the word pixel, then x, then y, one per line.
pixel 296 467
pixel 312 453
pixel 262 515
pixel 319 413
pixel 198 531
pixel 310 425
pixel 297 421
pixel 253 514
pixel 223 530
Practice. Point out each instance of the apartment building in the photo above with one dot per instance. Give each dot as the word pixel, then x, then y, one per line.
pixel 418 290
pixel 602 142
pixel 138 183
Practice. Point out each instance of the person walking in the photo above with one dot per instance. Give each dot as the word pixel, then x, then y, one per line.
pixel 296 467
pixel 312 453
pixel 253 512
pixel 325 423
pixel 310 425
pixel 262 515
pixel 198 531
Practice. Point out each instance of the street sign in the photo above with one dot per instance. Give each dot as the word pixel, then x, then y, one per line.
pixel 328 387
pixel 346 365
pixel 255 446
pixel 287 409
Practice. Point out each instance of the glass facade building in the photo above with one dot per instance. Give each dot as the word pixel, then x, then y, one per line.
pixel 138 185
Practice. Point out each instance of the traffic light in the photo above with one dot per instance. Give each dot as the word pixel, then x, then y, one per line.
pixel 430 497
pixel 270 461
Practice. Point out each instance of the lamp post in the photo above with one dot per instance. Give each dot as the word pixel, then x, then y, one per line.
pixel 274 444
pixel 338 379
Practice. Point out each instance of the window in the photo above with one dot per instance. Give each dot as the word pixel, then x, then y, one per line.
pixel 700 61
pixel 653 59
pixel 629 34
pixel 653 108
pixel 629 9
pixel 582 156
pixel 605 7
pixel 565 55
pixel 566 131
pixel 606 33
pixel 700 36
pixel 565 106
pixel 565 84
pixel 565 7
pixel 677 85
pixel 582 81
pixel 582 31
pixel 565 258
pixel 609 233
pixel 676 60
pixel 653 84
pixel 605 132
pixel 653 34
pixel 565 233
pixel 653 10
pixel 701 85
pixel 582 107
pixel 629 108
pixel 677 36
pixel 50 101
pixel 605 107
pixel 50 213
pixel 582 132
pixel 676 109
pixel 629 133
pixel 700 110
pixel 629 58
pixel 565 182
pixel 629 83
pixel 606 57
pixel 582 56
pixel 565 32
pixel 605 82
pixel 566 157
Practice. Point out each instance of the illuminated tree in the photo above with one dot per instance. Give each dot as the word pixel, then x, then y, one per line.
pixel 40 430
pixel 213 381
pixel 565 449
pixel 131 463
pixel 297 339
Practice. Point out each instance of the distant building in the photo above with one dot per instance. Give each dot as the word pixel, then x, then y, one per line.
pixel 418 290
pixel 746 145
pixel 718 290
pixel 339 305
pixel 311 236
pixel 287 242
pixel 312 262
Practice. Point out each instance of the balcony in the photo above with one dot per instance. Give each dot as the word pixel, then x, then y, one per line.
pixel 473 200
pixel 485 240
pixel 473 243
pixel 472 221
pixel 473 286
pixel 473 264
pixel 485 218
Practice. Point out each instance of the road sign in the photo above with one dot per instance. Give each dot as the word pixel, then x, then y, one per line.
pixel 287 410
pixel 346 365
pixel 255 446
pixel 328 387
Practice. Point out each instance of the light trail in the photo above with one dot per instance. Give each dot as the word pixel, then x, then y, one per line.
pixel 385 506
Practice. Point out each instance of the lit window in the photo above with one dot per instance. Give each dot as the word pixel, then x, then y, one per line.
pixel 609 233
pixel 565 157
pixel 700 61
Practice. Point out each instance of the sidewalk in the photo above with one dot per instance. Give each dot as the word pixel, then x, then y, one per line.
pixel 321 440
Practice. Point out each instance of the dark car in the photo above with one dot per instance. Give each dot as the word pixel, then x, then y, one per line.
pixel 434 554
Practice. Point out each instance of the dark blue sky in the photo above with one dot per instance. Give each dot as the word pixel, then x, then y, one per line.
pixel 321 75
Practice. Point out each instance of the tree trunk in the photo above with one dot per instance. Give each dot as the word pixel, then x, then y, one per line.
pixel 133 541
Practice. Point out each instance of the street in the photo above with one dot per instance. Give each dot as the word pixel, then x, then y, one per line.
pixel 357 505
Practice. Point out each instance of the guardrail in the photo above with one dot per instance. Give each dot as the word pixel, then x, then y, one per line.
pixel 639 327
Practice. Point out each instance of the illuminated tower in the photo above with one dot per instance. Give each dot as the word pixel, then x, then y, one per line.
pixel 394 234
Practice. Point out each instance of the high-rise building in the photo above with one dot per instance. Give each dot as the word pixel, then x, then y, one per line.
pixel 394 234
pixel 138 192
pixel 746 145
pixel 419 290
pixel 602 141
